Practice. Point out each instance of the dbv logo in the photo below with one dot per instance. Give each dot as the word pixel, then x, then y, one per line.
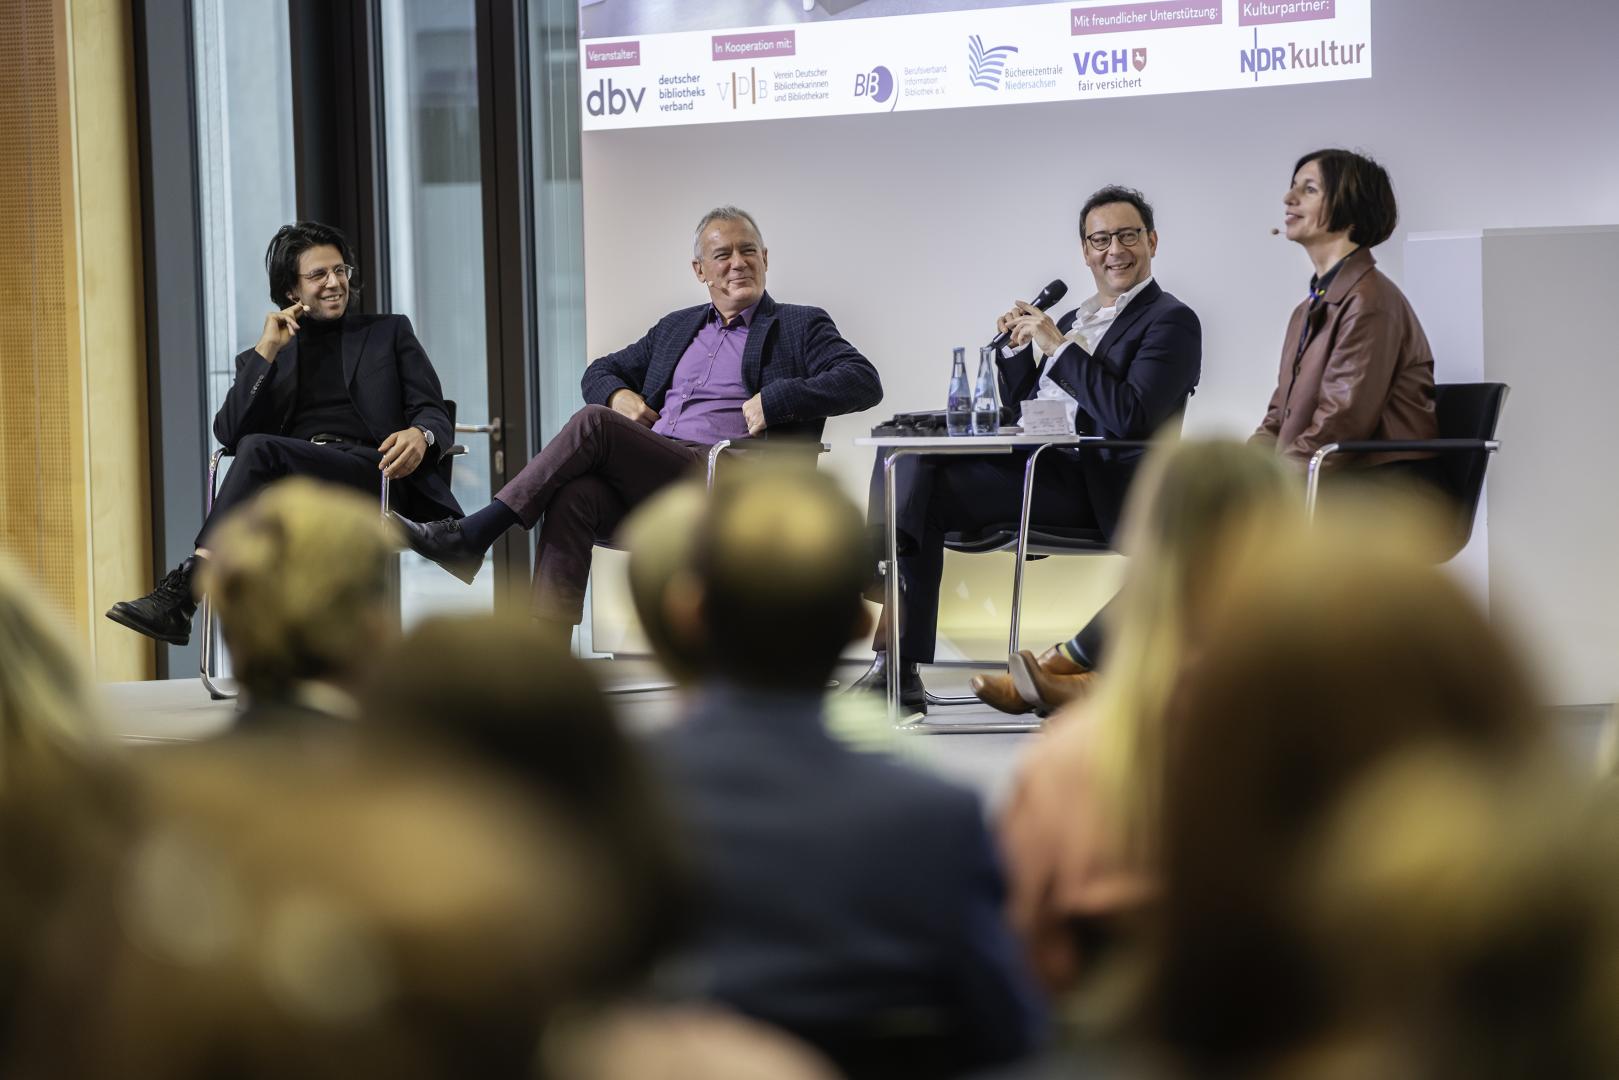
pixel 985 66
pixel 1257 60
pixel 877 84
pixel 609 100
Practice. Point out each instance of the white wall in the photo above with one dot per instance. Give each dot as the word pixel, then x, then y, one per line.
pixel 916 229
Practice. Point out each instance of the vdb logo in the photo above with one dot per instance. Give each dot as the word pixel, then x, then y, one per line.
pixel 609 100
pixel 743 90
pixel 1103 62
pixel 878 85
pixel 986 66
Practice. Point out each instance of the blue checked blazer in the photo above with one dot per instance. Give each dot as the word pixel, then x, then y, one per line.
pixel 802 368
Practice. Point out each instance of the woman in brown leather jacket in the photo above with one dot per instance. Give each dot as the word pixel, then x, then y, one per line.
pixel 1355 362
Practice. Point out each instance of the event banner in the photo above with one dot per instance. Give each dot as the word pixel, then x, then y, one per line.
pixel 643 64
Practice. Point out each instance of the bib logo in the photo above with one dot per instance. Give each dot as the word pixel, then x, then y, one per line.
pixel 609 100
pixel 878 85
pixel 743 90
pixel 985 66
pixel 1294 57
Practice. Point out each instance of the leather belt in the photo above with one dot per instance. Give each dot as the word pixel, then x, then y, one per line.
pixel 323 438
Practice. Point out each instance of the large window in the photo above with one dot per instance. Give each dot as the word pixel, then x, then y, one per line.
pixel 558 209
pixel 245 175
pixel 245 169
pixel 435 241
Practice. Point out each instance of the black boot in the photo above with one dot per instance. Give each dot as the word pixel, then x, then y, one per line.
pixel 912 694
pixel 165 612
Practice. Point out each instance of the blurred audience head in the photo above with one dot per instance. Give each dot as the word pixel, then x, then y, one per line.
pixel 661 537
pixel 62 807
pixel 1466 914
pixel 325 908
pixel 298 577
pixel 1320 653
pixel 682 1043
pixel 782 560
pixel 50 715
pixel 502 693
pixel 1192 501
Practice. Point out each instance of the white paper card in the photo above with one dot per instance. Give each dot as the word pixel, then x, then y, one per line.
pixel 1045 417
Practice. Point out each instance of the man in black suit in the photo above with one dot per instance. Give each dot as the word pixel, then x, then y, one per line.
pixel 851 900
pixel 741 366
pixel 326 393
pixel 1123 363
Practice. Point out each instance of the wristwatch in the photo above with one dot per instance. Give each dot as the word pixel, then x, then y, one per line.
pixel 428 435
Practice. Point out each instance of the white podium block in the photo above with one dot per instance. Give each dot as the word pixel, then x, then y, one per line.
pixel 1535 308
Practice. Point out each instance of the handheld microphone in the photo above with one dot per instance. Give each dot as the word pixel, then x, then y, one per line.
pixel 1274 231
pixel 1048 296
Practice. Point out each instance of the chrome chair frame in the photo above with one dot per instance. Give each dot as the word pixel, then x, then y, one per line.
pixel 207 652
pixel 1468 415
pixel 711 468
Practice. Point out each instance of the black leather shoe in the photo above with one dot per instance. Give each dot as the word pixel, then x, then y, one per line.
pixel 443 543
pixel 165 612
pixel 913 696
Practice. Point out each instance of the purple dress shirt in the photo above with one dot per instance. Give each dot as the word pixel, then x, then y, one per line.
pixel 704 401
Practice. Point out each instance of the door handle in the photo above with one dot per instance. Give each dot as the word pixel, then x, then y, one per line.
pixel 491 429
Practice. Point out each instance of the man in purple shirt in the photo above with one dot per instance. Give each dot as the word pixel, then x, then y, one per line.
pixel 738 367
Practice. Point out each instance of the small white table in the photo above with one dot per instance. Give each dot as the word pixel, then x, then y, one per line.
pixel 916 446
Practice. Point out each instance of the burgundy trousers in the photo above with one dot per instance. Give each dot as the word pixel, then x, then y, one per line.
pixel 600 466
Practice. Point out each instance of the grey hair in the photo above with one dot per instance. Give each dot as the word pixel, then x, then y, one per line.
pixel 722 213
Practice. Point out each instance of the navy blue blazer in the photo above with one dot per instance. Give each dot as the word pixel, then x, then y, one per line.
pixel 1135 384
pixel 391 383
pixel 802 368
pixel 842 888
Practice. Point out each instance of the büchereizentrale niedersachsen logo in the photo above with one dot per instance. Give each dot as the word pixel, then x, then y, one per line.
pixel 985 66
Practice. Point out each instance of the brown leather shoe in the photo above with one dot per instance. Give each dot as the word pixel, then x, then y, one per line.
pixel 1054 679
pixel 1055 662
pixel 1020 690
pixel 997 690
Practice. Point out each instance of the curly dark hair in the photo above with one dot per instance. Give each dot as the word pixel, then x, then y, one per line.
pixel 290 242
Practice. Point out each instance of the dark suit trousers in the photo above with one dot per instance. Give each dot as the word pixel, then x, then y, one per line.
pixel 938 495
pixel 263 459
pixel 599 467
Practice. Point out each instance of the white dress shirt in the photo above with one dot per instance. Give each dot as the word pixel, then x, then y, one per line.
pixel 1089 327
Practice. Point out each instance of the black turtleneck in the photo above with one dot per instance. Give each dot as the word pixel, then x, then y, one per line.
pixel 324 406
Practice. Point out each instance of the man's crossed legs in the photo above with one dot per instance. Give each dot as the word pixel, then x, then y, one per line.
pixel 576 490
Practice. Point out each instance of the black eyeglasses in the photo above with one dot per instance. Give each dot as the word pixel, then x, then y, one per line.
pixel 318 277
pixel 1101 241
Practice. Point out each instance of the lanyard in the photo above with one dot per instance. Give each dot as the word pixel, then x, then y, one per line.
pixel 1316 296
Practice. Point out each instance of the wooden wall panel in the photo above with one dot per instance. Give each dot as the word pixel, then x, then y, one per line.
pixel 73 487
pixel 38 303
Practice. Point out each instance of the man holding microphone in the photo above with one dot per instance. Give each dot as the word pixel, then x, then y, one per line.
pixel 1123 363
